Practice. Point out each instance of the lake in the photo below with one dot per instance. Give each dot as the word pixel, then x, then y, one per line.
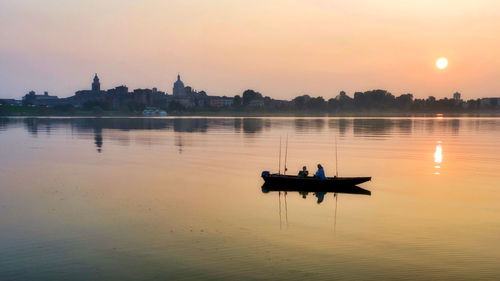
pixel 182 199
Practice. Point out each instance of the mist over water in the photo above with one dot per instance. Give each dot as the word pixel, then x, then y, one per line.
pixel 181 199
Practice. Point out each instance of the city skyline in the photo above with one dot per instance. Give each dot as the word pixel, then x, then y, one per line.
pixel 281 48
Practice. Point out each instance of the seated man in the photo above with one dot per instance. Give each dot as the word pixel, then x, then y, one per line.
pixel 320 173
pixel 304 173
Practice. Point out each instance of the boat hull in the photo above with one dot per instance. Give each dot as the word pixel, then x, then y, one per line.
pixel 304 183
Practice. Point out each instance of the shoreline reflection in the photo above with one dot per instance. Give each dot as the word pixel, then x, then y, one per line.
pixel 376 129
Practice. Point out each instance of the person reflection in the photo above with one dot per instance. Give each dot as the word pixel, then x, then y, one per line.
pixel 320 196
pixel 304 194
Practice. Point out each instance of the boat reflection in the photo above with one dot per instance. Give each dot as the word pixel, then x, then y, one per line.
pixel 320 195
pixel 319 192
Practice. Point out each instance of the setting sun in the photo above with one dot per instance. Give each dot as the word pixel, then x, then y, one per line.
pixel 441 63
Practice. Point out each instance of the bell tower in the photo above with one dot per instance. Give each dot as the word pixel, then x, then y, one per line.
pixel 96 85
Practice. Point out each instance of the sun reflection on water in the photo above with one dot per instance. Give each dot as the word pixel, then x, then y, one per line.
pixel 438 157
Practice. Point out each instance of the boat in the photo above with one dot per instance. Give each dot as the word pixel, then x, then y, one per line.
pixel 305 183
pixel 151 111
pixel 311 183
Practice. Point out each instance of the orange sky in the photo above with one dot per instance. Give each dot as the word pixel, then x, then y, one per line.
pixel 281 48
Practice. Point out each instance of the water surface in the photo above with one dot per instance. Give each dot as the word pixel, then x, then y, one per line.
pixel 181 199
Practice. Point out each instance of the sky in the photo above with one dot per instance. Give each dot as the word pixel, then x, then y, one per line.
pixel 281 48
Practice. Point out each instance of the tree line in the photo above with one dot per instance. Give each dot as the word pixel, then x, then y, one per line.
pixel 369 101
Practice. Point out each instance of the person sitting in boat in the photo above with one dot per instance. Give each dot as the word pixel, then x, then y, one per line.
pixel 320 173
pixel 304 173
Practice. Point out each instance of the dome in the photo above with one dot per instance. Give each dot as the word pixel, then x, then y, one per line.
pixel 179 89
pixel 178 83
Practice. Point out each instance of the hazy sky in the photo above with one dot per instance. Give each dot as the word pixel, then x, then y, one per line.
pixel 281 48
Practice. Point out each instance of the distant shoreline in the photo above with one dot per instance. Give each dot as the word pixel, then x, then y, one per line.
pixel 257 114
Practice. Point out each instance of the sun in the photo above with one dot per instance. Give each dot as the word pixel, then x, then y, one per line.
pixel 441 63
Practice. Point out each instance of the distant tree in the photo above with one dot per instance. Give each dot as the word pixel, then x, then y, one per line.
pixel 64 108
pixel 3 107
pixel 430 104
pixel 89 105
pixel 175 106
pixel 318 103
pixel 237 101
pixel 135 106
pixel 300 102
pixel 97 110
pixel 404 102
pixel 333 105
pixel 344 101
pixel 268 102
pixel 249 96
pixel 472 105
pixel 373 100
pixel 29 99
pixel 160 103
pixel 418 105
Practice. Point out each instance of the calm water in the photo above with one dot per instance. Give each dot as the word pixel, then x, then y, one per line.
pixel 181 199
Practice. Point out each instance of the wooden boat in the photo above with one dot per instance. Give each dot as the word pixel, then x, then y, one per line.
pixel 299 183
pixel 310 182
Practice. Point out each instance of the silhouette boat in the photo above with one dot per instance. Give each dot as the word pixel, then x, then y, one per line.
pixel 305 183
pixel 295 183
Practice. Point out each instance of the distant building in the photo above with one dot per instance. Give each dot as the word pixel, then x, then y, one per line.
pixel 184 101
pixel 120 90
pixel 96 85
pixel 95 89
pixel 256 103
pixel 221 101
pixel 178 89
pixel 187 96
pixel 143 96
pixel 491 103
pixel 11 102
pixel 84 96
pixel 32 98
pixel 457 96
pixel 118 96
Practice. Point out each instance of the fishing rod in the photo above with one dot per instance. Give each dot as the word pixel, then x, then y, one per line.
pixel 286 211
pixel 286 153
pixel 336 159
pixel 335 216
pixel 279 201
pixel 279 161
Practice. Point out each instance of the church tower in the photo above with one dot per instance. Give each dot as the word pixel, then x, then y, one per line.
pixel 96 86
